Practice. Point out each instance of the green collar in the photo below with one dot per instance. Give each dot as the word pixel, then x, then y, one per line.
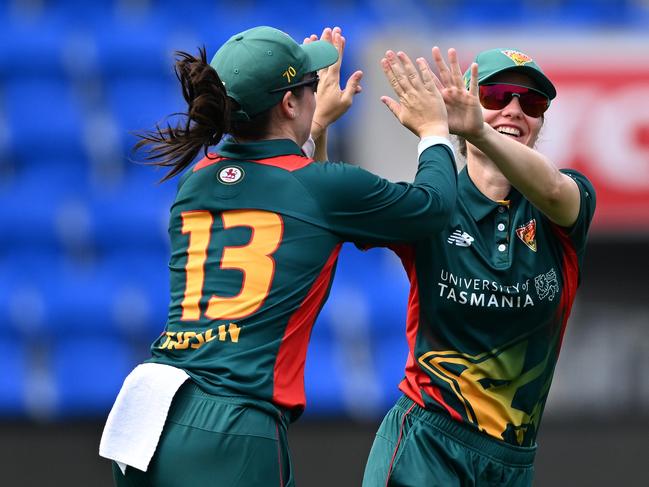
pixel 478 204
pixel 263 149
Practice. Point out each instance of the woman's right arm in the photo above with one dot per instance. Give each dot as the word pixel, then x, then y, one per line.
pixel 361 206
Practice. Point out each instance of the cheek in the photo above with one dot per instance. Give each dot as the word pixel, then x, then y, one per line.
pixel 534 125
pixel 489 116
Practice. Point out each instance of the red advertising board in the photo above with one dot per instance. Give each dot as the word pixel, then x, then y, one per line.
pixel 599 124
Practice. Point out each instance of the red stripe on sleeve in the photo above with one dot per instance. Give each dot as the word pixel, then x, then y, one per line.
pixel 291 357
pixel 416 379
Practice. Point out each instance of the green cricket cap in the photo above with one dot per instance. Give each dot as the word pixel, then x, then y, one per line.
pixel 259 64
pixel 494 61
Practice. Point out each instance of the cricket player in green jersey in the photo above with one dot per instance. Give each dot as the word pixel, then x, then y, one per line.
pixel 491 294
pixel 255 232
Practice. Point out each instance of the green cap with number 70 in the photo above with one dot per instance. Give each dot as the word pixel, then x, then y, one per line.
pixel 258 65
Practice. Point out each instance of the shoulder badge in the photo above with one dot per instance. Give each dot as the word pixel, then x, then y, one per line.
pixel 230 175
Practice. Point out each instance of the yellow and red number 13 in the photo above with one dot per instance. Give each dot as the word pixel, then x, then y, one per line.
pixel 254 259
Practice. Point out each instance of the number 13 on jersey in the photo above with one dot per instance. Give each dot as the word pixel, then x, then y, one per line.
pixel 254 259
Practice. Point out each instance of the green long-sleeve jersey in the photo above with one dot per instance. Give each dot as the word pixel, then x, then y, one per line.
pixel 490 297
pixel 255 233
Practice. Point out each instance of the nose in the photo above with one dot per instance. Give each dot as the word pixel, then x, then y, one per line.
pixel 514 108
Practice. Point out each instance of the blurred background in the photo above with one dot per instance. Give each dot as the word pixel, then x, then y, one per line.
pixel 83 244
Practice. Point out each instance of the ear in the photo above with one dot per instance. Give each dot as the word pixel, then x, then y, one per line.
pixel 289 105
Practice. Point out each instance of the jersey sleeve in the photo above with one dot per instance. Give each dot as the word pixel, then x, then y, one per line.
pixel 578 232
pixel 364 207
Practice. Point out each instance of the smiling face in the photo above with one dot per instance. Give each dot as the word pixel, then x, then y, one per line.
pixel 511 120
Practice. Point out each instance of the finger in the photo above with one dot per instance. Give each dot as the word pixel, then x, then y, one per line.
pixel 341 50
pixel 425 71
pixel 339 44
pixel 428 76
pixel 396 74
pixel 444 73
pixel 352 87
pixel 387 70
pixel 410 70
pixel 437 82
pixel 456 72
pixel 392 105
pixel 326 34
pixel 473 83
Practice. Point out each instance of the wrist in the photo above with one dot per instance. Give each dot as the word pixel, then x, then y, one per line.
pixel 317 129
pixel 478 137
pixel 433 130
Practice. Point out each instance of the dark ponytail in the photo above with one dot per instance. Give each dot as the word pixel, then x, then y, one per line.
pixel 207 117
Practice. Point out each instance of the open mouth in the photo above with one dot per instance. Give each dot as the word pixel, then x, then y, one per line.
pixel 511 131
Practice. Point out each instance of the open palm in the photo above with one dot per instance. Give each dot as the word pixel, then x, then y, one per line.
pixel 463 106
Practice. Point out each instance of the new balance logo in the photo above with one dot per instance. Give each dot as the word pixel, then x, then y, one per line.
pixel 460 238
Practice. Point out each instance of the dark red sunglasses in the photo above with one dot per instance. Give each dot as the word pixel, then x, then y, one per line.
pixel 498 96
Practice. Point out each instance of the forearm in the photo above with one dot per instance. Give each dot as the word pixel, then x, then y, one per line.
pixel 531 173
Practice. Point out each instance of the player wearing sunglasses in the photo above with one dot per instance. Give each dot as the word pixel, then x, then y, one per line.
pixel 490 296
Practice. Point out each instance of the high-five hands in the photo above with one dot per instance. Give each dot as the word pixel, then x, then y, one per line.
pixel 331 101
pixel 462 105
pixel 420 106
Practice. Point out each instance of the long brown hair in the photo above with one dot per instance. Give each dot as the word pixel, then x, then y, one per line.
pixel 207 119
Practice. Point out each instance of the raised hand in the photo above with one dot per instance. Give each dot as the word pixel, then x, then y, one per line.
pixel 463 106
pixel 331 101
pixel 420 107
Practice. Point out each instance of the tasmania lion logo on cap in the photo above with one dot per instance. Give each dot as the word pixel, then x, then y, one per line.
pixel 518 57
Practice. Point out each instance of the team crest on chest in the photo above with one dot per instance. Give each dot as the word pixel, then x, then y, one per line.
pixel 527 234
pixel 230 175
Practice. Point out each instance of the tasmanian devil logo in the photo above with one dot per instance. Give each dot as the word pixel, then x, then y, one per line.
pixel 487 385
pixel 518 57
pixel 527 234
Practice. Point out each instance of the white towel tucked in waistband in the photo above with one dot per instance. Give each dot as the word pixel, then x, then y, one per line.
pixel 136 420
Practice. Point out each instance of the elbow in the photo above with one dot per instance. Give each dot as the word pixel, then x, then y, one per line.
pixel 439 212
pixel 554 196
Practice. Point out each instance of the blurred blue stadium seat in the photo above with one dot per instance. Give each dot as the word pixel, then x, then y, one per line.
pixel 323 379
pixel 44 115
pixel 31 46
pixel 13 363
pixel 31 203
pixel 138 103
pixel 134 46
pixel 132 217
pixel 87 374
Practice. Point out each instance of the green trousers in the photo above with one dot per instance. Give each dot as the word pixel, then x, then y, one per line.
pixel 216 441
pixel 416 447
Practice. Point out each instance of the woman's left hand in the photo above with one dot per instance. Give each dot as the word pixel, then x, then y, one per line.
pixel 331 101
pixel 463 106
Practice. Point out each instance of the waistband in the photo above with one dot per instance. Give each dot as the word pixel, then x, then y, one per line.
pixel 482 443
pixel 191 389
